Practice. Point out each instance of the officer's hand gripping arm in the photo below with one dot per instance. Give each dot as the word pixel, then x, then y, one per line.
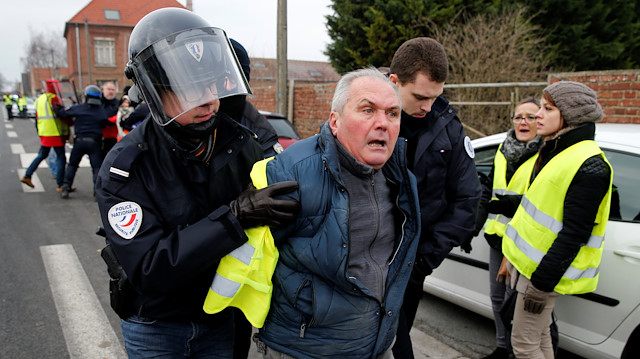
pixel 260 207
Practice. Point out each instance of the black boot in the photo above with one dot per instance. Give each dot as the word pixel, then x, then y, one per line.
pixel 65 191
pixel 499 353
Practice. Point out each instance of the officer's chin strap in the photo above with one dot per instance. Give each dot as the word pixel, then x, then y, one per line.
pixel 192 136
pixel 205 147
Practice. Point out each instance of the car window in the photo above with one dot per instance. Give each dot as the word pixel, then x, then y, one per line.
pixel 625 199
pixel 283 128
pixel 484 159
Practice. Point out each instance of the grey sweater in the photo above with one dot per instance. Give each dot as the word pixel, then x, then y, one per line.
pixel 371 223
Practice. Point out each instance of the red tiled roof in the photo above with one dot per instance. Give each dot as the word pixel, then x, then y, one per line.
pixel 130 11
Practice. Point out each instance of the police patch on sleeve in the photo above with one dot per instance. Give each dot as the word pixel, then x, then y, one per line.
pixel 469 147
pixel 125 218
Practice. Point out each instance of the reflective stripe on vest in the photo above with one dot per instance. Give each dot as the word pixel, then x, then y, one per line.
pixel 243 277
pixel 538 220
pixel 497 223
pixel 48 123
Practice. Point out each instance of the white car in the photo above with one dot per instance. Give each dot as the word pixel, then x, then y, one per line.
pixel 31 108
pixel 601 324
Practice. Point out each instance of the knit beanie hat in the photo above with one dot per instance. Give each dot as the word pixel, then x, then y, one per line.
pixel 577 102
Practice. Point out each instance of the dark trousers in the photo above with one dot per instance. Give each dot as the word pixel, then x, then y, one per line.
pixel 403 348
pixel 9 113
pixel 243 331
pixel 83 146
pixel 107 144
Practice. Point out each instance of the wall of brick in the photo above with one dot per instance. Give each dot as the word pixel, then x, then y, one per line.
pixel 618 93
pixel 312 104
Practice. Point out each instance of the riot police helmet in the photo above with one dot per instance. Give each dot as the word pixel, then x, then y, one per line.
pixel 178 62
pixel 92 95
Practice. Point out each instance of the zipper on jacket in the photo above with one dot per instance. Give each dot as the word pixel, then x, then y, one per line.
pixel 303 328
pixel 381 285
pixel 404 222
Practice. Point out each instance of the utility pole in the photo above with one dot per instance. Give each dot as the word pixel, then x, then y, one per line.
pixel 281 77
pixel 86 36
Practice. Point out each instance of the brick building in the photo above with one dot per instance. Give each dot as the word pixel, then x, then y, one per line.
pixel 98 39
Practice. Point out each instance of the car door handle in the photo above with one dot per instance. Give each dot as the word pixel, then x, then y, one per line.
pixel 626 253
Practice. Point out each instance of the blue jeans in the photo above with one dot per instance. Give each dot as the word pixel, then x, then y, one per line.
pixel 150 338
pixel 42 155
pixel 498 292
pixel 83 147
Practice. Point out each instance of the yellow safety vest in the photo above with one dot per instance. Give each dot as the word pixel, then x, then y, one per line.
pixel 538 220
pixel 22 103
pixel 243 277
pixel 497 223
pixel 48 124
pixel 7 100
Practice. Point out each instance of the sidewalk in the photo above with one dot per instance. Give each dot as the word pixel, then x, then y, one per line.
pixel 425 346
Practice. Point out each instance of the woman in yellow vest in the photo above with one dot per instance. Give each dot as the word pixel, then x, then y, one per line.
pixel 554 241
pixel 504 186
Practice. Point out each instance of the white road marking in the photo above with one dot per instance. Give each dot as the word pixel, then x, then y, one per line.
pixel 27 158
pixel 17 148
pixel 8 125
pixel 12 134
pixel 85 325
pixel 38 187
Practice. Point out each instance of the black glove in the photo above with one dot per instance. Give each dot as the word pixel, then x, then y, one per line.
pixel 466 244
pixel 258 207
pixel 506 204
pixel 420 270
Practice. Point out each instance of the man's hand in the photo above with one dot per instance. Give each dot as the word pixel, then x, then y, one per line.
pixel 535 299
pixel 258 207
pixel 503 272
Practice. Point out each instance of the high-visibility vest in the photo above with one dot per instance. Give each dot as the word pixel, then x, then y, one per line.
pixel 497 223
pixel 48 123
pixel 538 220
pixel 243 277
pixel 8 101
pixel 22 102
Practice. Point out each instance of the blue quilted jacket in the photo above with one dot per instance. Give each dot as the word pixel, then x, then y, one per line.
pixel 317 309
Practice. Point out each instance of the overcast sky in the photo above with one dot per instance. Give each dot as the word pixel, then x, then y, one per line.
pixel 250 22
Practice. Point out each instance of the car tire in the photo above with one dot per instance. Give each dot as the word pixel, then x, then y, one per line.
pixel 632 349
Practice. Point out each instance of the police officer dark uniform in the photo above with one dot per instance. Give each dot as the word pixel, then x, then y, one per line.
pixel 440 155
pixel 89 119
pixel 173 194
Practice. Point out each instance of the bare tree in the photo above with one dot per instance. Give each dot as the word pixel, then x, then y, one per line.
pixel 503 47
pixel 45 49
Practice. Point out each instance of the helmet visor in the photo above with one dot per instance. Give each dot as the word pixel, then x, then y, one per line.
pixel 186 70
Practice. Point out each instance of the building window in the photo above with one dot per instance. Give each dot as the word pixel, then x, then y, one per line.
pixel 112 14
pixel 105 51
